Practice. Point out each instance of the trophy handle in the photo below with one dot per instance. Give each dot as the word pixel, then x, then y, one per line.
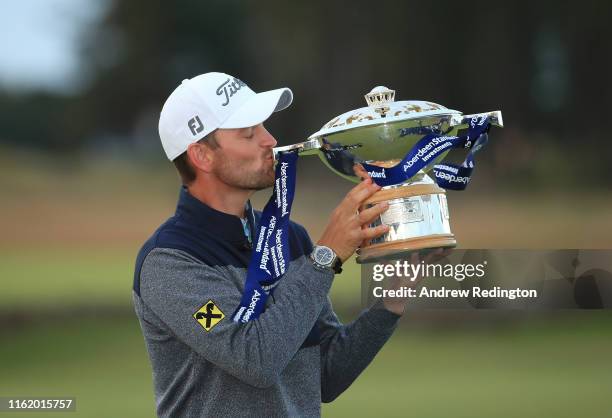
pixel 309 147
pixel 464 120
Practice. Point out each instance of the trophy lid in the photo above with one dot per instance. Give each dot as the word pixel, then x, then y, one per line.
pixel 383 109
pixel 383 132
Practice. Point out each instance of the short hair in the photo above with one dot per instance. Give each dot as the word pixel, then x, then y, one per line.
pixel 184 166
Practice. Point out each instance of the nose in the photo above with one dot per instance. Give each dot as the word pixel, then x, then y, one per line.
pixel 267 140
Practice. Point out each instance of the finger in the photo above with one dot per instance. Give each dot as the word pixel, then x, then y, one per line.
pixel 366 216
pixel 352 196
pixel 436 255
pixel 371 233
pixel 361 172
pixel 365 242
pixel 415 258
pixel 361 192
pixel 367 182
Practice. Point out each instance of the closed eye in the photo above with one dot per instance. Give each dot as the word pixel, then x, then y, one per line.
pixel 249 133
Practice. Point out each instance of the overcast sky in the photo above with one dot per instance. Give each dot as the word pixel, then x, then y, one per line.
pixel 39 41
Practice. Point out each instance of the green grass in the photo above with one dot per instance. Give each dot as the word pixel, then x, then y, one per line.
pixel 62 278
pixel 537 370
pixel 56 278
pixel 533 372
pixel 102 363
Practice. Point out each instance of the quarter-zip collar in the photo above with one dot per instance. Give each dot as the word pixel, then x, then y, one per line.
pixel 224 225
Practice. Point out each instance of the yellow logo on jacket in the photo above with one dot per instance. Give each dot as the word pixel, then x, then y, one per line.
pixel 209 315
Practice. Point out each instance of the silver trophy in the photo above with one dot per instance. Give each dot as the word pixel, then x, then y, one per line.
pixel 381 134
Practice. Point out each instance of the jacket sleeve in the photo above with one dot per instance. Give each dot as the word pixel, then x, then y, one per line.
pixel 346 350
pixel 175 285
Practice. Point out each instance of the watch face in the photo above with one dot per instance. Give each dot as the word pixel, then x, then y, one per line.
pixel 324 256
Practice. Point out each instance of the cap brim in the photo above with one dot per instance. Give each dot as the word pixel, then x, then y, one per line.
pixel 259 108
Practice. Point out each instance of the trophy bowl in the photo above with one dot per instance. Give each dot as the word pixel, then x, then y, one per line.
pixel 381 135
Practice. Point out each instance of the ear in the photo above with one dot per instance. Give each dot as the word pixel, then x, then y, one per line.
pixel 200 156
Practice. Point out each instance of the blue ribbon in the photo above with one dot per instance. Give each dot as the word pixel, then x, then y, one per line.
pixel 448 176
pixel 270 257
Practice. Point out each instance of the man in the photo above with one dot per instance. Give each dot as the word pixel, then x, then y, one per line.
pixel 190 275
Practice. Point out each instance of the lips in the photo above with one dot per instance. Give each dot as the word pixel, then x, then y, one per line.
pixel 268 161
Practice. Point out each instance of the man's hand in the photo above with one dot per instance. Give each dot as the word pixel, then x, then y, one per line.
pixel 397 305
pixel 348 228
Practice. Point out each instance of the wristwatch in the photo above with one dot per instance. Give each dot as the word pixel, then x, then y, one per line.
pixel 325 258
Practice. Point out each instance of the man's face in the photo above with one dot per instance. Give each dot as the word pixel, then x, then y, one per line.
pixel 244 157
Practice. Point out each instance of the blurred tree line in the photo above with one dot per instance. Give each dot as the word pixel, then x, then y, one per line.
pixel 545 64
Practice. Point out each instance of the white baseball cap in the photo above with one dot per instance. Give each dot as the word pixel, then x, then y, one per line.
pixel 211 101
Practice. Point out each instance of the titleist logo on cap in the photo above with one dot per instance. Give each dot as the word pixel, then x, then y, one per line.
pixel 228 89
pixel 210 101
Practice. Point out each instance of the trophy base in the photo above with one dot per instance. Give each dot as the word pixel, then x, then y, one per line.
pixel 402 248
pixel 417 217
